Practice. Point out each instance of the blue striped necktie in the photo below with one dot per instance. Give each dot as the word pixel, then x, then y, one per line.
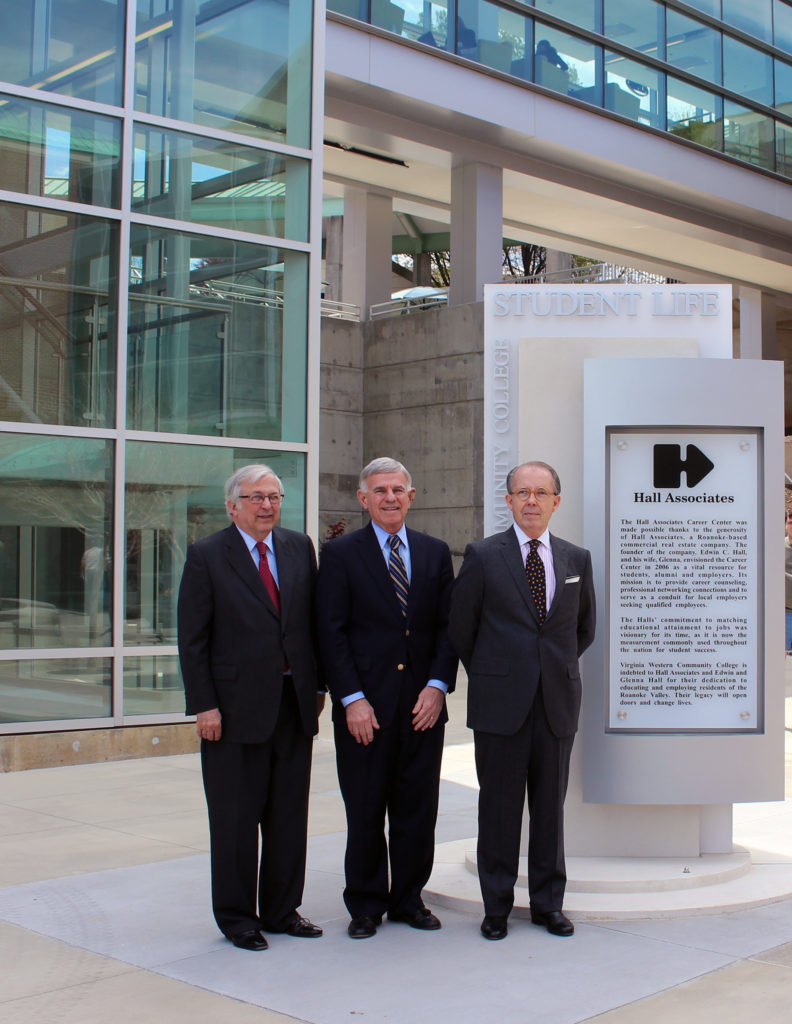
pixel 398 573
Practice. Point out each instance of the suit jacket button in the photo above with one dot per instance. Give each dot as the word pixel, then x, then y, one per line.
pixel 400 668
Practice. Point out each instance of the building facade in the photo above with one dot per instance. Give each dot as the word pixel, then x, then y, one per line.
pixel 156 325
pixel 161 198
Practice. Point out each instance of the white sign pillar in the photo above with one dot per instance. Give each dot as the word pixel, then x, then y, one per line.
pixel 537 340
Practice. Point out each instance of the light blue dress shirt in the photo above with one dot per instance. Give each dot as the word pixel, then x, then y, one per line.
pixel 383 538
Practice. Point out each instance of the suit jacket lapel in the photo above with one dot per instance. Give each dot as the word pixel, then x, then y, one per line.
pixel 283 556
pixel 560 561
pixel 513 557
pixel 242 563
pixel 375 563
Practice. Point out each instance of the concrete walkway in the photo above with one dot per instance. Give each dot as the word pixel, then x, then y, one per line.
pixel 105 916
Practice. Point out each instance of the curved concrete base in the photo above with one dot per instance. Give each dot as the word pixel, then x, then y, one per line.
pixel 626 888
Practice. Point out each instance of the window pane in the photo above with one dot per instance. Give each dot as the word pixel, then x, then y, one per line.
pixel 241 65
pixel 53 690
pixel 782 25
pixel 56 500
pixel 748 135
pixel 212 182
pixel 783 149
pixel 747 71
pixel 692 114
pixel 753 18
pixel 422 20
pixel 632 89
pixel 693 47
pixel 494 36
pixel 217 337
pixel 581 13
pixel 783 86
pixel 73 47
pixel 51 151
pixel 153 685
pixel 635 23
pixel 566 64
pixel 712 7
pixel 57 317
pixel 174 496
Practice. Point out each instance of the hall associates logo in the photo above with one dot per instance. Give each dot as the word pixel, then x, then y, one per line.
pixel 668 470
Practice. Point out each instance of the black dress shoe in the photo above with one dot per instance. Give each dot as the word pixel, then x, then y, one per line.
pixel 252 939
pixel 363 927
pixel 423 919
pixel 554 921
pixel 300 928
pixel 494 928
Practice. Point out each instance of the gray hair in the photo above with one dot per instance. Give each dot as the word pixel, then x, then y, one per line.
pixel 382 465
pixel 536 465
pixel 247 474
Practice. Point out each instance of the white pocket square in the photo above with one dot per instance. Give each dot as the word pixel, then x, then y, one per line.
pixel 572 579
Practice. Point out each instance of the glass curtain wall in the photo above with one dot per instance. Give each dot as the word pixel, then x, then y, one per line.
pixel 155 274
pixel 715 72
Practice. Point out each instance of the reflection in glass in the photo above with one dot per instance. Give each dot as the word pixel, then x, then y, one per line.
pixel 174 496
pixel 55 541
pixel 693 47
pixel 783 86
pixel 52 151
pixel 57 317
pixel 637 24
pixel 213 182
pixel 582 13
pixel 566 64
pixel 73 47
pixel 693 114
pixel 782 25
pixel 217 337
pixel 783 149
pixel 747 71
pixel 748 135
pixel 55 689
pixel 753 18
pixel 494 36
pixel 422 20
pixel 632 89
pixel 240 65
pixel 152 685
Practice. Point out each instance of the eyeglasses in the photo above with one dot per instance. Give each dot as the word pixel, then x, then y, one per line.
pixel 259 499
pixel 539 493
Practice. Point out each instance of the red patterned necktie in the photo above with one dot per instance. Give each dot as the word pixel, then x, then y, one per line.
pixel 535 574
pixel 266 575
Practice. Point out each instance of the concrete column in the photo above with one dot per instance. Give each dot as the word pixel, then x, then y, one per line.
pixel 476 231
pixel 368 244
pixel 556 262
pixel 757 324
pixel 334 257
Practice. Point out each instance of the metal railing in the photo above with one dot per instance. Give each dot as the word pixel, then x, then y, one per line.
pixel 406 305
pixel 594 273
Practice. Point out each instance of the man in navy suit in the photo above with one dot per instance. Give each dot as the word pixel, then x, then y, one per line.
pixel 249 663
pixel 382 598
pixel 522 613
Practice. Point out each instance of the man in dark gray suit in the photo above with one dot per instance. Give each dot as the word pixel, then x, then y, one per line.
pixel 522 613
pixel 249 663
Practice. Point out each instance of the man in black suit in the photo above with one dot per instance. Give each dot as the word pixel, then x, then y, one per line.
pixel 383 597
pixel 522 613
pixel 248 660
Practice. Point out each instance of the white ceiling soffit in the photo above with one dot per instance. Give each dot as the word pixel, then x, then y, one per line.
pixel 575 179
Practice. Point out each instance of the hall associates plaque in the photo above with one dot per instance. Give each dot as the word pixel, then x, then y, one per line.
pixel 684 580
